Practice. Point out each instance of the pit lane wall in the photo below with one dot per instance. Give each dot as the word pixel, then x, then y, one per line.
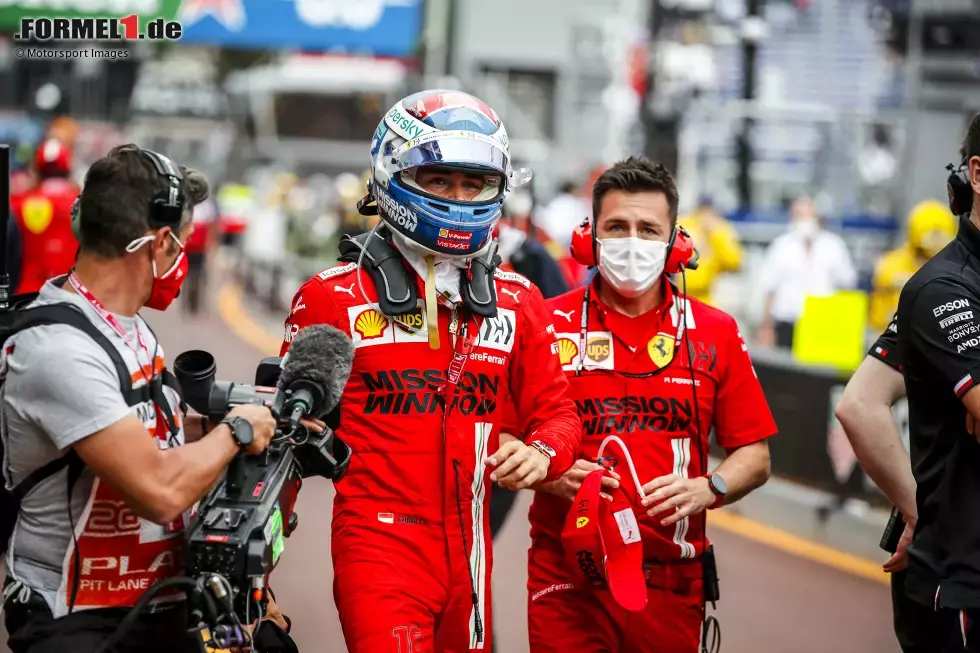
pixel 811 448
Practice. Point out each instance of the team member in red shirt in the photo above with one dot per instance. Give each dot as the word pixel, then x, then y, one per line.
pixel 440 337
pixel 658 371
pixel 43 216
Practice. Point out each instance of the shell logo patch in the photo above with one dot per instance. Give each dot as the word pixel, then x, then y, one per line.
pixel 567 350
pixel 370 324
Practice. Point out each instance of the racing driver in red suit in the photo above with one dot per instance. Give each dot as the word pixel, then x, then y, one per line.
pixel 440 338
pixel 659 371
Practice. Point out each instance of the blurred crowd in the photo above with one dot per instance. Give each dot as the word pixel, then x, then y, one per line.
pixel 272 216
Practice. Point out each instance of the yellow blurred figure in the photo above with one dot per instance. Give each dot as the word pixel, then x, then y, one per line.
pixel 717 242
pixel 350 190
pixel 931 227
pixel 282 183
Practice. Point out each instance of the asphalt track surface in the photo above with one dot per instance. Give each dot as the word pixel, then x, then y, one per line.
pixel 772 600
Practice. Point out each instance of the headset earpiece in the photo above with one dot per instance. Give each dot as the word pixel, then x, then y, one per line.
pixel 680 252
pixel 167 206
pixel 583 244
pixel 959 190
pixel 76 218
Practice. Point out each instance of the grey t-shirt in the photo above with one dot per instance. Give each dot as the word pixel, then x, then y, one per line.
pixel 60 388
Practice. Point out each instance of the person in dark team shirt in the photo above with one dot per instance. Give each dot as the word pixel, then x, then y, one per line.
pixel 865 412
pixel 939 345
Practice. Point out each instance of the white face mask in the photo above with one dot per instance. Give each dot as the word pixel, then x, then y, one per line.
pixel 509 240
pixel 806 228
pixel 631 265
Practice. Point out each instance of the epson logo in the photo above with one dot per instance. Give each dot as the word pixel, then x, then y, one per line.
pixel 953 319
pixel 950 306
pixel 396 212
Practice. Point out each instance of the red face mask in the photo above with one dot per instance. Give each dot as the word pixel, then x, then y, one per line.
pixel 166 287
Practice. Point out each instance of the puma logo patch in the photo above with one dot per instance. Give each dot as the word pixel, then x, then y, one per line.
pixel 349 291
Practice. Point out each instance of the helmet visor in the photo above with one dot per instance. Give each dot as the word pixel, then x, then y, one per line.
pixel 455 184
pixel 458 149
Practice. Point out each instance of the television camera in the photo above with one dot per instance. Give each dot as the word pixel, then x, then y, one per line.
pixel 239 529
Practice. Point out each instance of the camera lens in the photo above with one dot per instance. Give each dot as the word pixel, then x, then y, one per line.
pixel 195 371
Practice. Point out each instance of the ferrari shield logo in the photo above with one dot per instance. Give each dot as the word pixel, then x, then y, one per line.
pixel 37 213
pixel 661 350
pixel 581 522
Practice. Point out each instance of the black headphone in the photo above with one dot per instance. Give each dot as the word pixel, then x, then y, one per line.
pixel 166 206
pixel 959 190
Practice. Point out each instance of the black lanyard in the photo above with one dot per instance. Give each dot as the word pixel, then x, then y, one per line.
pixel 584 332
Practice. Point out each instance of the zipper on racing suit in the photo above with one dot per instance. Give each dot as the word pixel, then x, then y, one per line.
pixel 462 345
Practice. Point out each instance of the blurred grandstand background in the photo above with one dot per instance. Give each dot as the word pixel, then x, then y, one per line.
pixel 857 104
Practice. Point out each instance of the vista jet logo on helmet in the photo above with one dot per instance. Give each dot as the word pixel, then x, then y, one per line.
pixel 395 211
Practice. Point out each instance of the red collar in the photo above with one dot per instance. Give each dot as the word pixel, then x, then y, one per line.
pixel 602 309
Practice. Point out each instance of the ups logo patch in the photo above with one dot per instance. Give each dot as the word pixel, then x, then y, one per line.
pixel 598 349
pixel 412 321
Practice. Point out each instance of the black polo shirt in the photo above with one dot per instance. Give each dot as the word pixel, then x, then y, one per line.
pixel 885 348
pixel 939 346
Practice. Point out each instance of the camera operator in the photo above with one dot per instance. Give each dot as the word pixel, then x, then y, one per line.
pixel 94 535
pixel 865 412
pixel 939 345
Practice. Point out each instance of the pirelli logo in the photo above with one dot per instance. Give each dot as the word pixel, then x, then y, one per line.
pixel 947 322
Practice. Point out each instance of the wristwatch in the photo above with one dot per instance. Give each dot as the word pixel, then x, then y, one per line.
pixel 543 448
pixel 241 430
pixel 718 486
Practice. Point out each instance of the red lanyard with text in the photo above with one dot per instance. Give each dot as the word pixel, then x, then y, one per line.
pixel 113 323
pixel 461 352
pixel 459 330
pixel 584 332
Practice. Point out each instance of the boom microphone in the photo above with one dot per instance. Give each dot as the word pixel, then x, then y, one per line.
pixel 315 372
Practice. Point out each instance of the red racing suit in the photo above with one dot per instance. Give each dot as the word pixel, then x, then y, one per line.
pixel 48 246
pixel 655 417
pixel 411 538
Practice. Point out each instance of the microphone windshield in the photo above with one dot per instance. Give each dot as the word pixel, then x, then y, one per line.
pixel 321 354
